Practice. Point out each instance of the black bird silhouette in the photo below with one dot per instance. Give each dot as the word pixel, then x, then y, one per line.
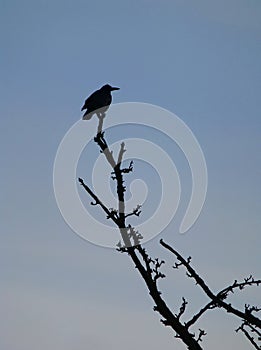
pixel 98 102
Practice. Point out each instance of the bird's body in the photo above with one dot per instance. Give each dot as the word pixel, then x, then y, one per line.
pixel 98 102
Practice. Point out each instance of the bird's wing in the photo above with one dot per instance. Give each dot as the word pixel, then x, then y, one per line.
pixel 91 100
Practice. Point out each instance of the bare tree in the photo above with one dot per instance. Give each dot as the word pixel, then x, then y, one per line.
pixel 150 268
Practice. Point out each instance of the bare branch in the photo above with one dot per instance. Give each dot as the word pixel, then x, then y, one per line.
pixel 129 169
pixel 100 140
pixel 247 334
pixel 149 268
pixel 201 334
pixel 249 281
pixel 148 273
pixel 109 213
pixel 136 211
pixel 182 308
pixel 209 306
pixel 217 299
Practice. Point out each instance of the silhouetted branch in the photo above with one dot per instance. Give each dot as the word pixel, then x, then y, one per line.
pixel 110 214
pixel 136 211
pixel 253 329
pixel 123 170
pixel 223 294
pixel 182 308
pixel 100 140
pixel 249 309
pixel 249 281
pixel 146 259
pixel 134 235
pixel 157 264
pixel 149 268
pixel 216 299
pixel 129 169
pixel 201 334
pixel 193 320
pixel 150 272
pixel 252 340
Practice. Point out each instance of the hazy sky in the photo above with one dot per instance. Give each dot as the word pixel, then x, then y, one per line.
pixel 198 59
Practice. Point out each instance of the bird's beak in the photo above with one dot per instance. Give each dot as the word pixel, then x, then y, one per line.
pixel 114 88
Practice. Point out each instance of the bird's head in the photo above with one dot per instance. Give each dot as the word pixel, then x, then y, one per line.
pixel 107 87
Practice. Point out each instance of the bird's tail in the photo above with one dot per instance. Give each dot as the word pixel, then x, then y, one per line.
pixel 87 116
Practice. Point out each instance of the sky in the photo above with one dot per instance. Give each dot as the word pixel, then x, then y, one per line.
pixel 199 60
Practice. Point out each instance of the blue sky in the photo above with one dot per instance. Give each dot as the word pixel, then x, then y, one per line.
pixel 201 60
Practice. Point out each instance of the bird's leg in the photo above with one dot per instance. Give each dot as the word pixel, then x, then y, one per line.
pixel 101 116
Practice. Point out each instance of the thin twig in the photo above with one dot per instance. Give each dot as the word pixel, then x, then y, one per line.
pixel 97 201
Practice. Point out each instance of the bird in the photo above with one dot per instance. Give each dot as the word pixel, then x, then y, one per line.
pixel 98 102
